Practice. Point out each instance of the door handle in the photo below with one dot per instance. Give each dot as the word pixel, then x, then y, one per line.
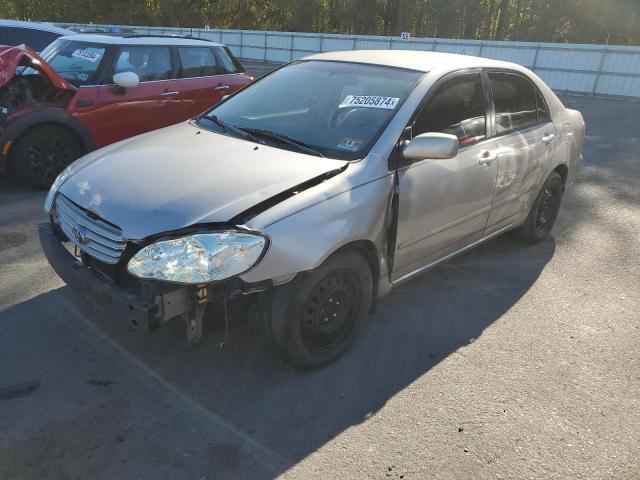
pixel 548 138
pixel 169 94
pixel 221 87
pixel 486 158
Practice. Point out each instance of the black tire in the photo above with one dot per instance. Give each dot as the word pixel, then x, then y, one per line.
pixel 543 213
pixel 327 311
pixel 42 153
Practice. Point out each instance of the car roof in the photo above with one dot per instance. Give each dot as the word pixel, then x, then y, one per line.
pixel 46 27
pixel 136 39
pixel 414 60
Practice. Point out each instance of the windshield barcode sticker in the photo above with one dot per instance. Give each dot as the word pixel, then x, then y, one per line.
pixel 86 55
pixel 370 101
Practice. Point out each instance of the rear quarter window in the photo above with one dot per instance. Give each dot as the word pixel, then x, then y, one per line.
pixel 543 111
pixel 228 62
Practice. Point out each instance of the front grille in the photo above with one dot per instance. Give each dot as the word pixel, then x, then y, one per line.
pixel 93 236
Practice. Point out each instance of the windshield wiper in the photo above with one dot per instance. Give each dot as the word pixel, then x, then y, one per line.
pixel 282 138
pixel 227 126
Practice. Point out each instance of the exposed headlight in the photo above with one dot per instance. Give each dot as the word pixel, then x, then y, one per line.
pixel 198 258
pixel 55 186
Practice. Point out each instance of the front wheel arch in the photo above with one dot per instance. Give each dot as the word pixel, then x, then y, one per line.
pixel 65 126
pixel 281 295
pixel 316 317
pixel 39 116
pixel 12 157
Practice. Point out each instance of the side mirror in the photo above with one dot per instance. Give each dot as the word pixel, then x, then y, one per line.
pixel 126 79
pixel 434 146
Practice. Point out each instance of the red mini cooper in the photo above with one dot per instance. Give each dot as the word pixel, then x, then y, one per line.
pixel 87 91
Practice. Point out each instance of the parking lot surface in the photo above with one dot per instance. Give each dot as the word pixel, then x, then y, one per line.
pixel 507 362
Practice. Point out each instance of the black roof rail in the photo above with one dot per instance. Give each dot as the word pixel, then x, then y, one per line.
pixel 162 35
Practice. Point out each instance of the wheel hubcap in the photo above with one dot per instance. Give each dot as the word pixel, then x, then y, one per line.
pixel 330 311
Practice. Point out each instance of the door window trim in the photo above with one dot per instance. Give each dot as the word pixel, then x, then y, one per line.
pixel 488 102
pixel 179 62
pixel 110 71
pixel 490 112
pixel 537 91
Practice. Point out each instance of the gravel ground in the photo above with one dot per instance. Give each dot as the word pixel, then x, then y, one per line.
pixel 507 362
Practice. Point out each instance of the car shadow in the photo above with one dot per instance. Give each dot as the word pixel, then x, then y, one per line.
pixel 292 413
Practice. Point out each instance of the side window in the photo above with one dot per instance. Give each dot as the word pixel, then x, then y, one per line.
pixel 4 40
pixel 515 101
pixel 543 111
pixel 457 108
pixel 149 63
pixel 17 36
pixel 36 39
pixel 39 40
pixel 227 61
pixel 197 62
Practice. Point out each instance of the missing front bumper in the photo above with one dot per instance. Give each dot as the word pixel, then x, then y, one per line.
pixel 143 314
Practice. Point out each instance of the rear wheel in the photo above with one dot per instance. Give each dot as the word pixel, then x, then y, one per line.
pixel 543 213
pixel 325 315
pixel 42 153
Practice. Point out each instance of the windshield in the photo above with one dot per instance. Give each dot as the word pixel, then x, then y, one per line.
pixel 337 109
pixel 77 62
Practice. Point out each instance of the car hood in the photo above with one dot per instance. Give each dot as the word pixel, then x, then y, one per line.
pixel 13 57
pixel 181 176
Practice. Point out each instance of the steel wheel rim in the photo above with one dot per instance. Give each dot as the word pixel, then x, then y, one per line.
pixel 330 312
pixel 47 156
pixel 546 211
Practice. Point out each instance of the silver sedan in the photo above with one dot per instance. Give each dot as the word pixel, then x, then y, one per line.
pixel 300 200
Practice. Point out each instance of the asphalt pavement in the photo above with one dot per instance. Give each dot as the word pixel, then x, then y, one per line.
pixel 508 362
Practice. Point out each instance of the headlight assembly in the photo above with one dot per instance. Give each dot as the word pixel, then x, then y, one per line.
pixel 199 258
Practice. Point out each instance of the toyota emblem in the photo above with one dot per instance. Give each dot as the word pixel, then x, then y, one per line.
pixel 80 234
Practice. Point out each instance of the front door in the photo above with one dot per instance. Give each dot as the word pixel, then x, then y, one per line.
pixel 444 204
pixel 155 103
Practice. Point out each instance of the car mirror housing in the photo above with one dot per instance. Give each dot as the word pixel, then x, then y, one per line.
pixel 126 79
pixel 433 146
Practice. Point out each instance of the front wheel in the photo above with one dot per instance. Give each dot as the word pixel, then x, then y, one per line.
pixel 42 153
pixel 328 309
pixel 543 213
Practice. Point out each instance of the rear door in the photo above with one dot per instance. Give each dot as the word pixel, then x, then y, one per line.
pixel 526 142
pixel 155 103
pixel 203 84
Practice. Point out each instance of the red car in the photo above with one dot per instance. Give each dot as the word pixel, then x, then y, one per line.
pixel 87 91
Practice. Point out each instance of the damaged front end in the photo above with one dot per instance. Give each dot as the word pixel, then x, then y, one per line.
pixel 143 305
pixel 163 278
pixel 151 239
pixel 27 81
